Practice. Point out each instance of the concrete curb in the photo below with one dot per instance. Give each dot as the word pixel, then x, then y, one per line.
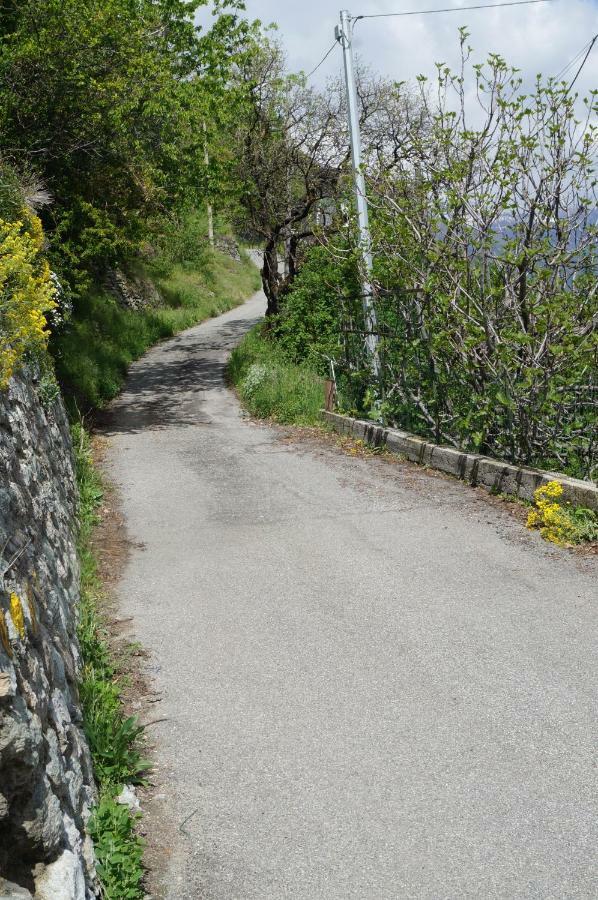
pixel 477 470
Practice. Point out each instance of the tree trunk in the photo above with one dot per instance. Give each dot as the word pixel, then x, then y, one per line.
pixel 271 280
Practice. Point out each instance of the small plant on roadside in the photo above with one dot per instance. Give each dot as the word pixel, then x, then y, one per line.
pixel 560 524
pixel 118 849
pixel 113 739
pixel 256 374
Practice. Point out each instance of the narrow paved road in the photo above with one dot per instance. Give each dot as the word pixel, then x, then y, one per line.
pixel 376 683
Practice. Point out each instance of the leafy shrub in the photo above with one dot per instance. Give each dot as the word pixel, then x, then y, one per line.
pixel 485 272
pixel 109 100
pixel 118 849
pixel 113 739
pixel 308 328
pixel 488 269
pixel 26 293
pixel 180 240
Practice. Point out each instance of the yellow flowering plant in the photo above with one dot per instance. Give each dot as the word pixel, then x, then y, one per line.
pixel 547 515
pixel 27 293
pixel 561 524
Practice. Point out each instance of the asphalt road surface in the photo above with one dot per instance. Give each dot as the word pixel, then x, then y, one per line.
pixel 375 683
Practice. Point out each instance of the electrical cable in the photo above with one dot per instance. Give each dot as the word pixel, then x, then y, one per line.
pixel 584 61
pixel 430 12
pixel 572 62
pixel 322 61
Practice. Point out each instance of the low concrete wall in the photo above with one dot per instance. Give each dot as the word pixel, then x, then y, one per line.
pixel 477 470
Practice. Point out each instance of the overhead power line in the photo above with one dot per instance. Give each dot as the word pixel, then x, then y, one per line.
pixel 584 61
pixel 572 62
pixel 431 12
pixel 323 60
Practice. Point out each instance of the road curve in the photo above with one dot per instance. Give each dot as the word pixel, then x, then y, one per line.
pixel 375 683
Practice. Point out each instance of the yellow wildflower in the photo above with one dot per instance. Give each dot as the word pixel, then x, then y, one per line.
pixel 548 515
pixel 26 293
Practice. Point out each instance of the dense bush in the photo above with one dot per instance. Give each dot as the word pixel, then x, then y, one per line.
pixel 486 275
pixel 308 328
pixel 488 270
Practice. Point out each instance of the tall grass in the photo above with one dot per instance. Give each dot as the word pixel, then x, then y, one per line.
pixel 93 352
pixel 270 386
pixel 191 295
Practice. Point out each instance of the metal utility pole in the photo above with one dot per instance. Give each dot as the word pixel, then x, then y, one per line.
pixel 344 35
pixel 206 157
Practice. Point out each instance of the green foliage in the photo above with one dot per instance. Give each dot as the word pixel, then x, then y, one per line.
pixel 270 386
pixel 558 522
pixel 119 850
pixel 12 198
pixel 486 277
pixel 308 326
pixel 94 352
pixel 583 524
pixel 114 738
pixel 488 273
pixel 192 295
pixel 179 240
pixel 108 101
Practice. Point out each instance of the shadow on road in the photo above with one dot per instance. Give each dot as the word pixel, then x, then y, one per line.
pixel 165 388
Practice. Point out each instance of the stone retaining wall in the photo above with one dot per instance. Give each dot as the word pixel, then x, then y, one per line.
pixel 46 782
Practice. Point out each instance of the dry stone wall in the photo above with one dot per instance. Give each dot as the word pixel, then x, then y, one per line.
pixel 46 782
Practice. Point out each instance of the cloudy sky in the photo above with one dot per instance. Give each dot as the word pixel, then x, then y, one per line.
pixel 539 38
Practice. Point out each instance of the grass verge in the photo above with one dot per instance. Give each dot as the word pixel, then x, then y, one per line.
pixel 114 738
pixel 270 386
pixel 94 350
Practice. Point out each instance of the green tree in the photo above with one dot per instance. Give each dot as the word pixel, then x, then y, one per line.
pixel 107 99
pixel 486 271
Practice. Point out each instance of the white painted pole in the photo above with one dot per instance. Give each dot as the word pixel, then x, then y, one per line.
pixel 344 35
pixel 206 156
